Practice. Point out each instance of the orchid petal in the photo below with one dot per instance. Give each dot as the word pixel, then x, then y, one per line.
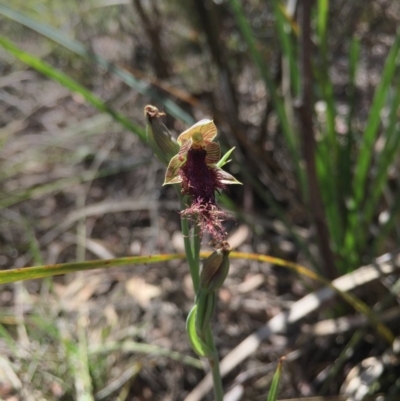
pixel 172 174
pixel 227 178
pixel 225 158
pixel 213 152
pixel 185 149
pixel 205 127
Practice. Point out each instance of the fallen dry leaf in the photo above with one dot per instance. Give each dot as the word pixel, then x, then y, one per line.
pixel 142 291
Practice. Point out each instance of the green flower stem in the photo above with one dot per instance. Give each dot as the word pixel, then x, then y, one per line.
pixel 213 360
pixel 192 242
pixel 196 243
pixel 190 247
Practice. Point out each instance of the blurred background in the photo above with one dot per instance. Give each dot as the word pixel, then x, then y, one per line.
pixel 308 92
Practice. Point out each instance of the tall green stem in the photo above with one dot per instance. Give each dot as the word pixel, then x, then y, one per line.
pixel 192 242
pixel 196 243
pixel 213 360
pixel 192 249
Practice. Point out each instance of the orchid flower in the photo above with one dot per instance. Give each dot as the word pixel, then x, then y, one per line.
pixel 195 168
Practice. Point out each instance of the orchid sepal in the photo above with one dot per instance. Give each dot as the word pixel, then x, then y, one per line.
pixel 172 174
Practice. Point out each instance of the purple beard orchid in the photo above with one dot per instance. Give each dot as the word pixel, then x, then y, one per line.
pixel 195 168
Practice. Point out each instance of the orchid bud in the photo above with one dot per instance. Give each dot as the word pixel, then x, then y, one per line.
pixel 158 137
pixel 215 268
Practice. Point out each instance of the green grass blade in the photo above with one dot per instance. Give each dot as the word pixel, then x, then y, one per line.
pixel 77 47
pixel 388 226
pixel 71 84
pixel 355 233
pixel 273 391
pixel 385 159
pixel 345 151
pixel 369 137
pixel 322 22
pixel 30 273
pixel 354 58
pixel 288 47
pixel 81 365
pixel 327 146
pixel 322 73
pixel 277 100
pixel 78 365
pixel 325 174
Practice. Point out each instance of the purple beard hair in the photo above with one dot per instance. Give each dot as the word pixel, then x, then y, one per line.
pixel 200 182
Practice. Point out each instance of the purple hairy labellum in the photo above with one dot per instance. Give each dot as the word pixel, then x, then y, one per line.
pixel 200 180
pixel 195 168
